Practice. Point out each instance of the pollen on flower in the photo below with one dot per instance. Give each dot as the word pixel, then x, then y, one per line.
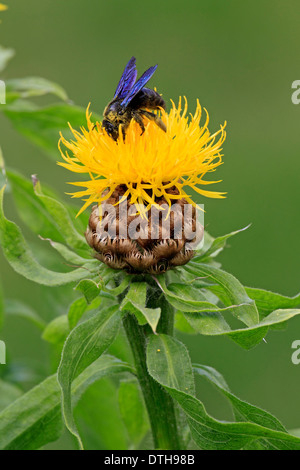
pixel 147 165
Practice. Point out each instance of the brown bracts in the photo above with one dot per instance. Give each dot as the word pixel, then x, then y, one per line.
pixel 122 239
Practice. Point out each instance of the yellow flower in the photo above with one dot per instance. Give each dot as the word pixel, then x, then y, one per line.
pixel 3 7
pixel 148 164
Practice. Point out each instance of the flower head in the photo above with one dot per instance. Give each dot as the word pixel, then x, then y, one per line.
pixel 147 165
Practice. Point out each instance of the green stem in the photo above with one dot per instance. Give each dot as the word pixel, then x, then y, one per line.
pixel 159 404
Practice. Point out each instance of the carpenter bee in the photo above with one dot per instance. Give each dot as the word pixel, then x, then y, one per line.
pixel 132 100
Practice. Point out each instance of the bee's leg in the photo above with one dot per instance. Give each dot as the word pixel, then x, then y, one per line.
pixel 124 129
pixel 139 120
pixel 155 118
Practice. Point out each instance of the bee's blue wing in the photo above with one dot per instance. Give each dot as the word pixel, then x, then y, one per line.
pixel 127 80
pixel 139 85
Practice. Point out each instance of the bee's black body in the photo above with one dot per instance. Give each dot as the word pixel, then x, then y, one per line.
pixel 132 101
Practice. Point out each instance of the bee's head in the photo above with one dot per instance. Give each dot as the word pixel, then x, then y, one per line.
pixel 111 129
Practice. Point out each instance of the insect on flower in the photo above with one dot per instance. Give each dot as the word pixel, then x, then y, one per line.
pixel 132 100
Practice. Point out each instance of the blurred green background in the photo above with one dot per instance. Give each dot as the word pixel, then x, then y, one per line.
pixel 239 59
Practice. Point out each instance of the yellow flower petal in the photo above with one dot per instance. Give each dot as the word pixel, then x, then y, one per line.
pixel 155 160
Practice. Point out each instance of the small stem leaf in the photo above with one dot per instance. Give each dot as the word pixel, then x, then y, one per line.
pixel 168 359
pixel 181 324
pixel 115 290
pixel 185 298
pixel 84 345
pixel 268 301
pixel 37 217
pixel 72 257
pixel 89 289
pixel 57 330
pixel 30 209
pixel 243 410
pixel 207 318
pixel 135 303
pixel 170 366
pixel 62 219
pixel 79 307
pixel 38 415
pixel 34 86
pixel 213 246
pixel 34 419
pixel 245 337
pixel 21 258
pixel 76 310
pixel 207 323
pixel 233 291
pixel 42 126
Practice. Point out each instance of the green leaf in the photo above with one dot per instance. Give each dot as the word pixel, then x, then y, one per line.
pixel 30 209
pixel 203 316
pixel 208 323
pixel 42 126
pixel 233 293
pixel 71 257
pixel 34 419
pixel 76 310
pixel 34 86
pixel 243 410
pixel 168 359
pixel 17 308
pixel 48 218
pixel 135 303
pixel 57 330
pixel 169 364
pixel 112 276
pixel 246 337
pixel 213 246
pixel 133 411
pixel 22 260
pixel 207 318
pixel 62 219
pixel 8 394
pixel 184 297
pixel 89 289
pixel 84 345
pixel 5 56
pixel 181 324
pixel 79 307
pixel 268 301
